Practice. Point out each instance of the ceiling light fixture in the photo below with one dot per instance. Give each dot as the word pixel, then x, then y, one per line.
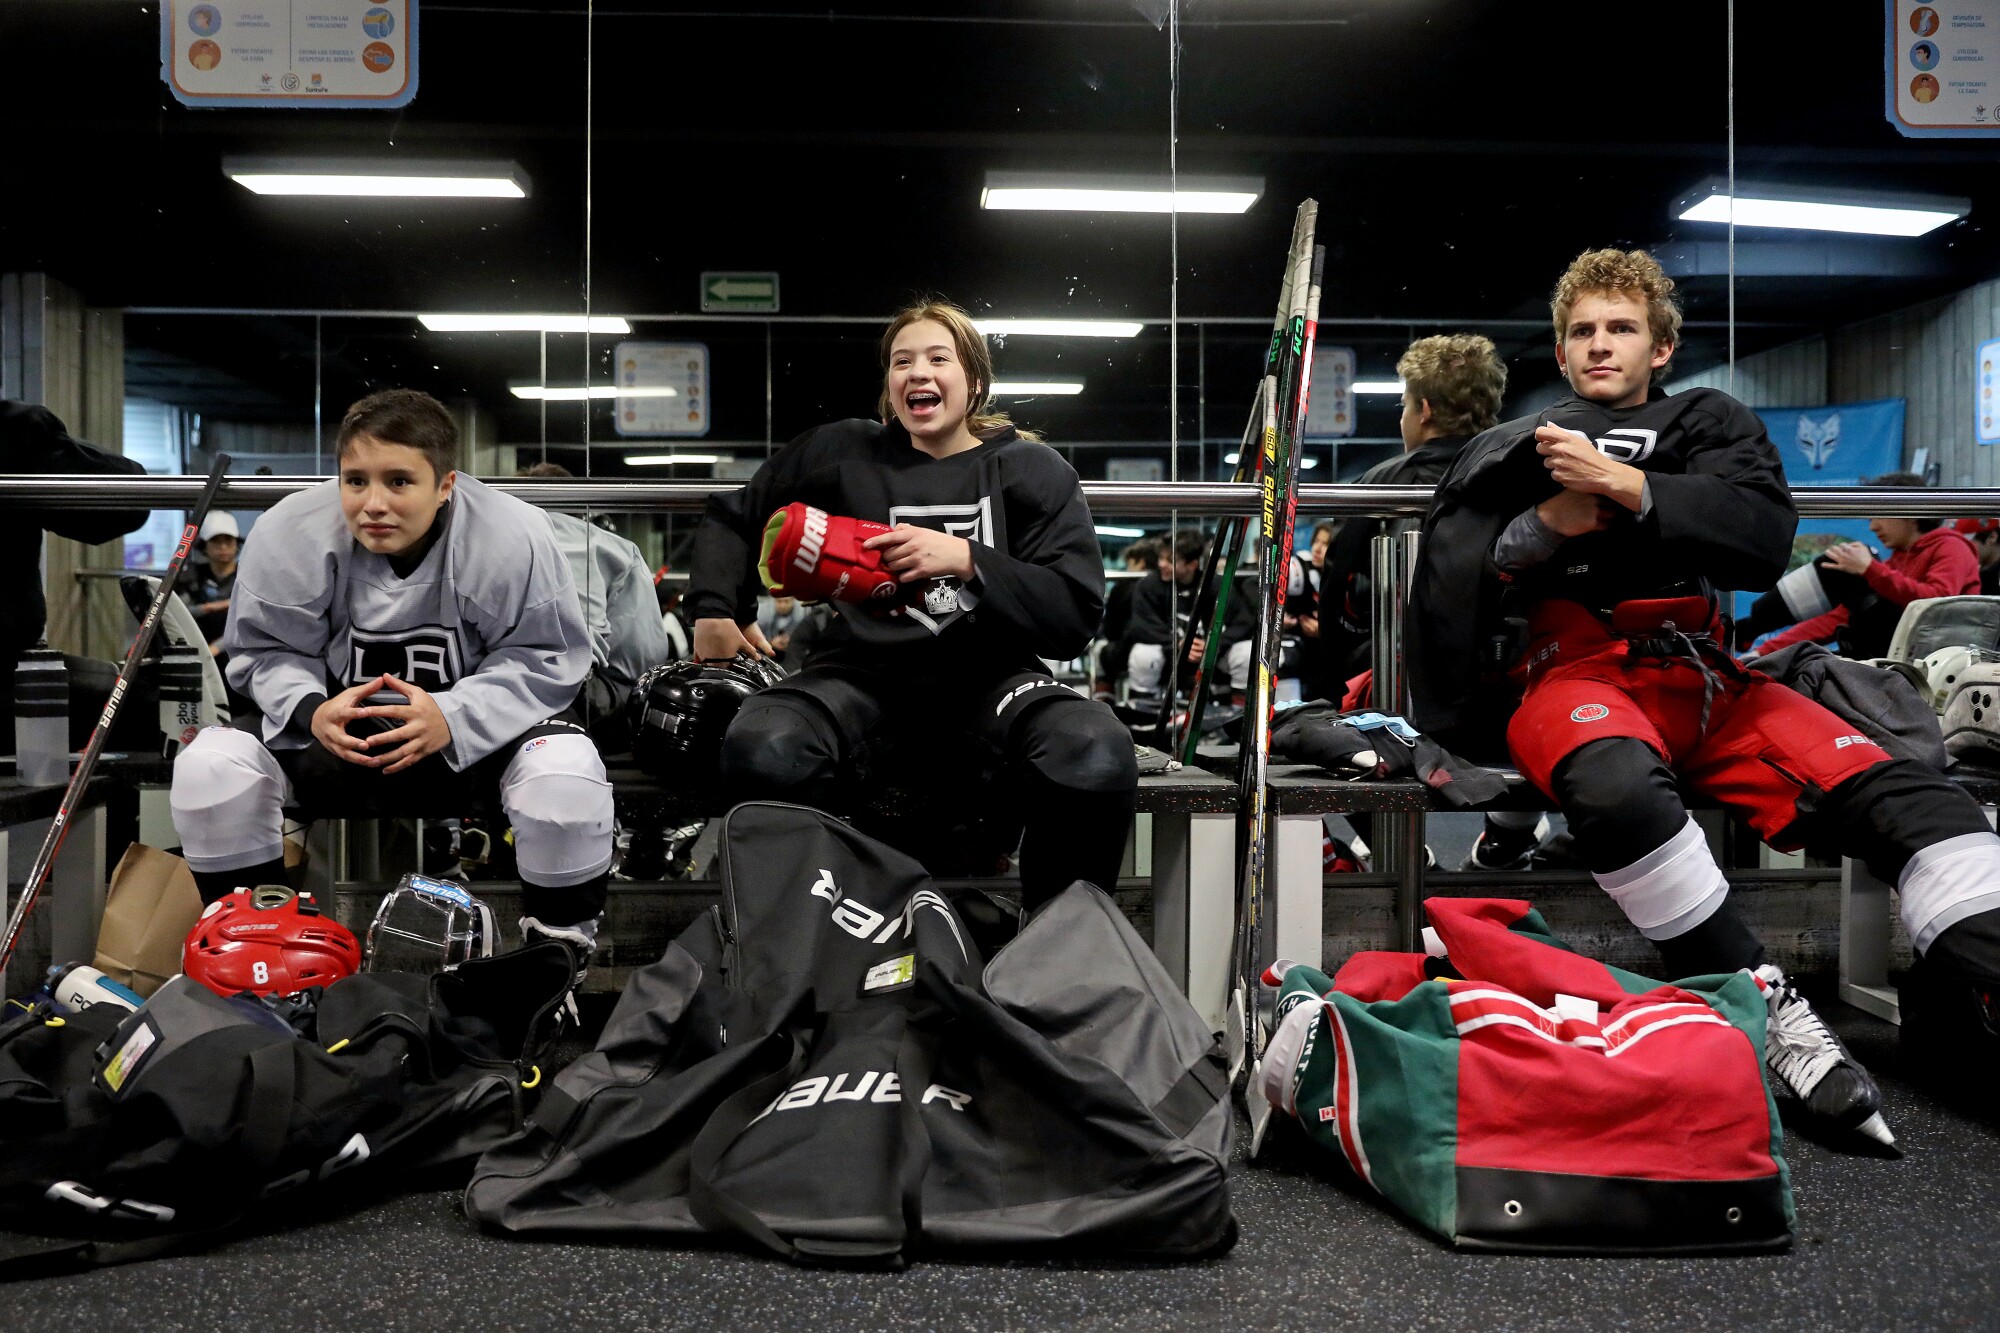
pixel 1060 328
pixel 1071 192
pixel 1023 388
pixel 667 460
pixel 543 393
pixel 1103 531
pixel 1805 208
pixel 376 179
pixel 524 324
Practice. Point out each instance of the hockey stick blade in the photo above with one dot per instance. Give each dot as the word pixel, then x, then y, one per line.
pixel 38 874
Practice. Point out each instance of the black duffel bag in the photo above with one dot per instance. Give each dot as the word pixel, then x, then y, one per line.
pixel 826 1067
pixel 162 1130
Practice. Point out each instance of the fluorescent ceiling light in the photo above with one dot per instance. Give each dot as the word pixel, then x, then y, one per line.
pixel 1804 208
pixel 1079 193
pixel 1060 328
pixel 524 324
pixel 1022 388
pixel 1378 386
pixel 543 393
pixel 1103 531
pixel 377 179
pixel 666 460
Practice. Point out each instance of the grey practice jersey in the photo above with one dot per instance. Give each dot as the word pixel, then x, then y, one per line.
pixel 489 622
pixel 627 637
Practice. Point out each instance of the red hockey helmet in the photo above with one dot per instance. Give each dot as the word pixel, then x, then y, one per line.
pixel 268 940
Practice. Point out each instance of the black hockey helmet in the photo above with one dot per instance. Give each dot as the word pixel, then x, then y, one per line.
pixel 679 711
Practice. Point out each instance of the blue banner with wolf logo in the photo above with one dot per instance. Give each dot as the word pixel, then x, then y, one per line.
pixel 1841 445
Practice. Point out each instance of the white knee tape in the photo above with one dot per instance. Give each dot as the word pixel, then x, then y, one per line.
pixel 1947 882
pixel 228 801
pixel 1672 889
pixel 1804 595
pixel 1236 665
pixel 1145 666
pixel 555 794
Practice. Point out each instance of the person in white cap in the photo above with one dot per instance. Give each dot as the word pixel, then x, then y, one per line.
pixel 207 590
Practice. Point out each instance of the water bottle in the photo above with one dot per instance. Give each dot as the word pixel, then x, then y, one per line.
pixel 41 718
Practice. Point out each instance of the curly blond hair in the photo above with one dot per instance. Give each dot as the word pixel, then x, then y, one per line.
pixel 1629 273
pixel 1460 375
pixel 972 354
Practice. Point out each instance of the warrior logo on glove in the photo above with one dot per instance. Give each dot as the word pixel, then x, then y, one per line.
pixel 817 557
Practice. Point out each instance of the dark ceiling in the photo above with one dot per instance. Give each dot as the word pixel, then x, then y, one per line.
pixel 1461 150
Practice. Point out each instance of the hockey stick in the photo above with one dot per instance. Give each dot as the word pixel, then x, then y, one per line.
pixel 38 874
pixel 1218 578
pixel 1280 470
pixel 1261 853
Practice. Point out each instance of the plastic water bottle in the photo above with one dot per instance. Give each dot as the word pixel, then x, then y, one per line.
pixel 41 718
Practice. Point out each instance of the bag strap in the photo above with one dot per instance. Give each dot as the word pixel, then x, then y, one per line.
pixel 710 1206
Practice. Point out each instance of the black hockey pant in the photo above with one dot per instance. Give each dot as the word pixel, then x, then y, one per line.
pixel 1023 745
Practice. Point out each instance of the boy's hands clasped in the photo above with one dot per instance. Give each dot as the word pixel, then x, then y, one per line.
pixel 419 729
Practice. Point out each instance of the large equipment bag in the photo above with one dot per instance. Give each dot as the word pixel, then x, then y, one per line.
pixel 827 1068
pixel 1509 1094
pixel 159 1129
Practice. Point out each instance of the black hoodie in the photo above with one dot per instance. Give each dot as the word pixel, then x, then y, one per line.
pixel 1039 592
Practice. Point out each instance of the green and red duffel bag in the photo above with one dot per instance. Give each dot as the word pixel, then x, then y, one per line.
pixel 1510 1094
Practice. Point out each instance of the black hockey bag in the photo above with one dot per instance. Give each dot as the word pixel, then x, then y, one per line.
pixel 157 1130
pixel 826 1068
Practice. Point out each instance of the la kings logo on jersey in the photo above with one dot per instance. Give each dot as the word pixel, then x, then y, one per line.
pixel 974 522
pixel 426 656
pixel 1627 444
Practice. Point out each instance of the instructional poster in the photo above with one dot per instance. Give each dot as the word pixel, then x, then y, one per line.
pixel 1942 61
pixel 662 388
pixel 326 53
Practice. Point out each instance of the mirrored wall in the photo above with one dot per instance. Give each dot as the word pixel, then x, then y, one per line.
pixel 718 213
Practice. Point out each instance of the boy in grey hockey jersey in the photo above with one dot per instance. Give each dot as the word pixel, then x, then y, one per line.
pixel 411 639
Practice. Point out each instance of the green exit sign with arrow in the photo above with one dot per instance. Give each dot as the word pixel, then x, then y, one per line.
pixel 739 293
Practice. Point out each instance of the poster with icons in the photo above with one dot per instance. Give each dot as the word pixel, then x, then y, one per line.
pixel 662 388
pixel 1943 68
pixel 1330 413
pixel 1986 393
pixel 290 53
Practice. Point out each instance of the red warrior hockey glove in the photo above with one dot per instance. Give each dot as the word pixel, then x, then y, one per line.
pixel 816 556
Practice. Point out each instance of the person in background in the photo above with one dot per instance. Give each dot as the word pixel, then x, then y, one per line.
pixel 627 637
pixel 206 587
pixel 667 596
pixel 1984 534
pixel 779 618
pixel 1850 596
pixel 1142 562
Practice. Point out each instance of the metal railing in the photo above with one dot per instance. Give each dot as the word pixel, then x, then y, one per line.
pixel 1133 498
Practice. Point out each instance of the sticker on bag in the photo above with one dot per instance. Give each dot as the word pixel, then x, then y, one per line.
pixel 890 974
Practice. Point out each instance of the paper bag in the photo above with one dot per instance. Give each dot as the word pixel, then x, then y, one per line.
pixel 152 906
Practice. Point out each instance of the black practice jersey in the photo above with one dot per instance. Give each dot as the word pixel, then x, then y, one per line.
pixel 1719 511
pixel 1039 592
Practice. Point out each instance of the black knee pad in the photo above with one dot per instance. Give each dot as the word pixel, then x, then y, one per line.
pixel 1080 746
pixel 1620 800
pixel 777 744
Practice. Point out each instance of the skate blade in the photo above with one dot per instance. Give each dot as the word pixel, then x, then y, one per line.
pixel 1259 1108
pixel 1876 1128
pixel 1235 1032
